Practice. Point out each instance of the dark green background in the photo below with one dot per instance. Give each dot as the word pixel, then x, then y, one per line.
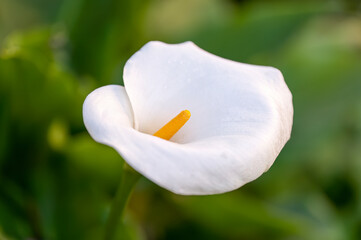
pixel 57 183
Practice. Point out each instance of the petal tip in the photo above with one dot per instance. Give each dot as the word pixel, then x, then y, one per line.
pixel 163 44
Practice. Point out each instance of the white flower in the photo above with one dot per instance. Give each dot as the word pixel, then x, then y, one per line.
pixel 241 118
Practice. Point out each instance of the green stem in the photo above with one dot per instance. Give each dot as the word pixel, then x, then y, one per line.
pixel 127 182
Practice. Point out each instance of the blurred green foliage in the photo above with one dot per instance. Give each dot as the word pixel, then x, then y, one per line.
pixel 57 183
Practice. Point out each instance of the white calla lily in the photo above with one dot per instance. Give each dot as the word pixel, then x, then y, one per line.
pixel 241 118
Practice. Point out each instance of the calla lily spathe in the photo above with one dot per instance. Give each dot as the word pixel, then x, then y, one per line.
pixel 241 118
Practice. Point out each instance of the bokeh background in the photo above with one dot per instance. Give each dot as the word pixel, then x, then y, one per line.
pixel 57 183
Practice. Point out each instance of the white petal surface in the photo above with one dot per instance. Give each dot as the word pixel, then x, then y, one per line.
pixel 105 110
pixel 241 118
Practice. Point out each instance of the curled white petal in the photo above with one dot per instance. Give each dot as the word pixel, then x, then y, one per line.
pixel 105 110
pixel 241 118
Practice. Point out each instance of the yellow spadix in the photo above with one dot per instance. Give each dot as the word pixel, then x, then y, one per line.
pixel 173 126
